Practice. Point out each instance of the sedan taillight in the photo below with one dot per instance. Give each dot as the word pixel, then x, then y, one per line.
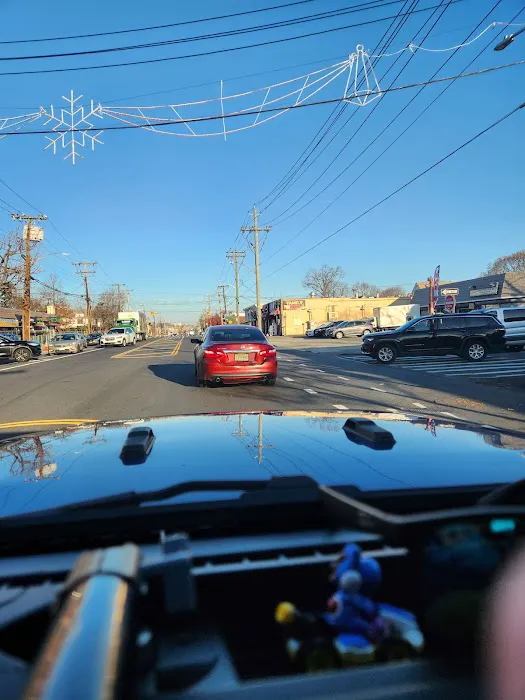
pixel 268 352
pixel 213 352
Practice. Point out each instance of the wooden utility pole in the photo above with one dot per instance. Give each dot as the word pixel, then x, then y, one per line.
pixel 431 295
pixel 234 256
pixel 255 229
pixel 221 291
pixel 120 293
pixel 26 306
pixel 85 269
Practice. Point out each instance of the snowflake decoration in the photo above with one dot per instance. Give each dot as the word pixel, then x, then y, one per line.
pixel 70 126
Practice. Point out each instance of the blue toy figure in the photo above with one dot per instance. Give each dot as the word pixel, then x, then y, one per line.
pixel 359 630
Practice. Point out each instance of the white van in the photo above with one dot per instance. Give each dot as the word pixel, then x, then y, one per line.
pixel 513 318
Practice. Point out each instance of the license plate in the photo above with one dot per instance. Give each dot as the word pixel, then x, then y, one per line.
pixel 241 357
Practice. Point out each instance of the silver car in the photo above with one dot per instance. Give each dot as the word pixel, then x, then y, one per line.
pixel 66 342
pixel 350 328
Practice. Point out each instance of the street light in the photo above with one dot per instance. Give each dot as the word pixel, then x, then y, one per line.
pixel 507 40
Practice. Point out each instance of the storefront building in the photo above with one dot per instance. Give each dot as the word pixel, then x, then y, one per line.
pixel 492 291
pixel 296 316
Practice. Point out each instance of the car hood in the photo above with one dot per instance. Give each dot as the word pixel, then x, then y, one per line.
pixel 68 466
pixel 381 334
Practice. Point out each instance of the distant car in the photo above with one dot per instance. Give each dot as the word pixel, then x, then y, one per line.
pixel 67 343
pixel 350 328
pixel 94 338
pixel 234 354
pixel 471 336
pixel 321 330
pixel 120 335
pixel 19 350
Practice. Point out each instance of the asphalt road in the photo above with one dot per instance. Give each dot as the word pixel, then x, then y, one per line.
pixel 156 379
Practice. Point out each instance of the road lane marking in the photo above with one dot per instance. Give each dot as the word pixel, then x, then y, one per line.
pixel 43 359
pixel 319 370
pixel 419 405
pixel 374 388
pixel 304 364
pixel 451 415
pixel 340 406
pixel 65 421
pixel 345 378
pixel 310 391
pixel 136 349
pixel 176 348
pixel 288 379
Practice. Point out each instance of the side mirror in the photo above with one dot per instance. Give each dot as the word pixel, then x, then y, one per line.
pixel 198 341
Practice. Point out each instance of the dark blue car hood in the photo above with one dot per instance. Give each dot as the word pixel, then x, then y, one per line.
pixel 65 467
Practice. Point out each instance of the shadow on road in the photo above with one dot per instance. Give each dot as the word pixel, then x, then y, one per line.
pixel 178 373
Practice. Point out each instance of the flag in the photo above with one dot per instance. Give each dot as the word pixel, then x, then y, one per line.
pixel 436 284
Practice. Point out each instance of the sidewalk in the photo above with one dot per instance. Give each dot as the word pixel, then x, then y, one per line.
pixel 350 346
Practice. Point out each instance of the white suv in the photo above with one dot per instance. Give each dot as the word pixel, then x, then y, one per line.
pixel 513 319
pixel 121 335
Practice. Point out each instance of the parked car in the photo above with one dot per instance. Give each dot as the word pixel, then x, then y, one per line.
pixel 66 342
pixel 471 336
pixel 349 328
pixel 513 320
pixel 94 338
pixel 234 354
pixel 19 350
pixel 121 335
pixel 83 340
pixel 320 331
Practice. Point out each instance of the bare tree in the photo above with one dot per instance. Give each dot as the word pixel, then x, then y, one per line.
pixel 515 262
pixel 326 281
pixel 11 268
pixel 106 308
pixel 365 289
pixel 394 291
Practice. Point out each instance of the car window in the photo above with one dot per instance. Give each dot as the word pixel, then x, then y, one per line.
pixel 237 335
pixel 513 315
pixel 481 322
pixel 450 322
pixel 420 326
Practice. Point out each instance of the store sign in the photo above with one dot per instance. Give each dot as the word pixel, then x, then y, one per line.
pixel 9 323
pixel 485 291
pixel 293 304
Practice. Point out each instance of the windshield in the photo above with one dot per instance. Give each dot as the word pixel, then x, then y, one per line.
pixel 228 208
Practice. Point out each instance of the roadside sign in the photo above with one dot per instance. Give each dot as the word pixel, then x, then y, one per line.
pixel 450 303
pixel 453 291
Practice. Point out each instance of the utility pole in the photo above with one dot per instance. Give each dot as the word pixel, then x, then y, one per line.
pixel 85 269
pixel 120 293
pixel 221 289
pixel 26 307
pixel 234 256
pixel 255 229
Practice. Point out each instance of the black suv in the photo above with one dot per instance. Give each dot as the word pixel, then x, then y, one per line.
pixel 471 336
pixel 19 350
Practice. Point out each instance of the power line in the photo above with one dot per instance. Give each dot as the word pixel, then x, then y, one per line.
pixel 286 180
pixel 380 134
pixel 399 189
pixel 215 51
pixel 230 115
pixel 318 16
pixel 368 116
pixel 154 27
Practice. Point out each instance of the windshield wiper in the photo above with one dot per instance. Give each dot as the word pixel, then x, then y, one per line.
pixel 273 488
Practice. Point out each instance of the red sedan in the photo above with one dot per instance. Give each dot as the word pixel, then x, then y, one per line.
pixel 234 354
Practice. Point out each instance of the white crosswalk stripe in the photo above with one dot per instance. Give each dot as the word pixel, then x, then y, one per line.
pixel 494 366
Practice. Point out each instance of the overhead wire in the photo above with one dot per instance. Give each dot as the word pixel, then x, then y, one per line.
pixel 402 187
pixel 286 180
pixel 369 115
pixel 329 14
pixel 382 132
pixel 214 52
pixel 156 27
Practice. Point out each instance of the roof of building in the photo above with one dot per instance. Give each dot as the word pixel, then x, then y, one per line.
pixel 509 285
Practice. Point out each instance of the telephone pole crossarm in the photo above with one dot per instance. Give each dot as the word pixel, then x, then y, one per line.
pixel 234 256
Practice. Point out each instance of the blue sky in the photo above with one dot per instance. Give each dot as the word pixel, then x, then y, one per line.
pixel 159 212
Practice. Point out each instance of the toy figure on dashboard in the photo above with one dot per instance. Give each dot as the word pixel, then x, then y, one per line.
pixel 354 629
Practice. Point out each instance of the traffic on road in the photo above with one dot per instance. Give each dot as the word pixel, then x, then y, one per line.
pixel 262 350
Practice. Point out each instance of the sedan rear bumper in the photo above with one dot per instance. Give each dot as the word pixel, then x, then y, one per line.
pixel 214 371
